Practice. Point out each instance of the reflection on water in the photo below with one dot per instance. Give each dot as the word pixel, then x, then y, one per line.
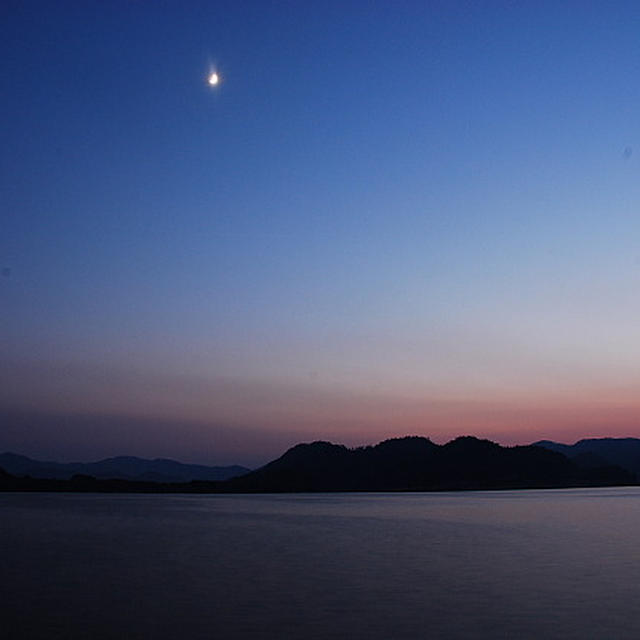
pixel 528 564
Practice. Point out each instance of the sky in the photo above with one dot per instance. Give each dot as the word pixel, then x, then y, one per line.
pixel 388 218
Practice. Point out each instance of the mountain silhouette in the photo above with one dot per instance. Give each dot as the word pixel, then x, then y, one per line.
pixel 121 467
pixel 417 464
pixel 594 452
pixel 401 464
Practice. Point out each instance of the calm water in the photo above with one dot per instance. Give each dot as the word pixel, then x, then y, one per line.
pixel 530 564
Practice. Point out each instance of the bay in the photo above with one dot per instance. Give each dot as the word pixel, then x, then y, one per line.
pixel 510 564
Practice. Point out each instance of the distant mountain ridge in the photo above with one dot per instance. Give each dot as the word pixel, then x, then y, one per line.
pixel 592 452
pixel 412 463
pixel 121 467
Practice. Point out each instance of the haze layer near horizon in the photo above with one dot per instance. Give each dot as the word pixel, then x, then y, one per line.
pixel 384 219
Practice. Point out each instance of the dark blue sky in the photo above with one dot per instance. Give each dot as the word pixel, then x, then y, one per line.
pixel 388 218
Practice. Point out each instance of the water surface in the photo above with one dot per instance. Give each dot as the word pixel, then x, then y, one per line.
pixel 526 564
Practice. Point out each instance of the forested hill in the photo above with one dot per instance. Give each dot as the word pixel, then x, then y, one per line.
pixel 598 452
pixel 417 464
pixel 400 464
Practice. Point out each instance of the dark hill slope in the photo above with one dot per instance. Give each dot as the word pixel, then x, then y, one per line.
pixel 593 452
pixel 417 464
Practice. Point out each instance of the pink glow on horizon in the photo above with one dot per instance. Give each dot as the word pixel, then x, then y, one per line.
pixel 255 420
